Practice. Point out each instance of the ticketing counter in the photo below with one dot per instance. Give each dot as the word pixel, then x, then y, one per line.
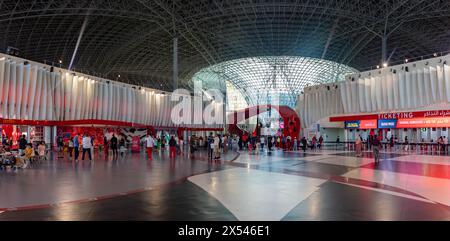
pixel 419 127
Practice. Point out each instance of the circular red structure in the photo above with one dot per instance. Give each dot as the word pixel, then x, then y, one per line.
pixel 290 119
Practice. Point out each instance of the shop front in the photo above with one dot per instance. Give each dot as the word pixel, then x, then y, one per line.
pixel 11 131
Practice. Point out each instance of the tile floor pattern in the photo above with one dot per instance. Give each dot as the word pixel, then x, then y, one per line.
pixel 277 185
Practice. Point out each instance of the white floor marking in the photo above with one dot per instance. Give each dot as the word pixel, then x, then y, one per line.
pixel 347 161
pixel 388 192
pixel 254 195
pixel 435 189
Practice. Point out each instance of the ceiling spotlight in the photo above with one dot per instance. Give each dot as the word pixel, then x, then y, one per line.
pixel 385 65
pixel 378 66
pixel 435 54
pixel 406 60
pixel 60 61
pixel 118 76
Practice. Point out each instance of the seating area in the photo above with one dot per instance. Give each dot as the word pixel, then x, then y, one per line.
pixel 15 160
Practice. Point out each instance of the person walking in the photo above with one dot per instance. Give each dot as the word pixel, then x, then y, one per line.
pixel 210 147
pixel 295 144
pixel 122 146
pixel 87 145
pixel 76 146
pixel 376 144
pixel 406 143
pixel 216 145
pixel 60 145
pixel 22 145
pixel 320 142
pixel 172 147
pixel 192 147
pixel 262 141
pixel 70 147
pixel 239 143
pixel 358 146
pixel 304 144
pixel 149 144
pixel 113 143
pixel 106 145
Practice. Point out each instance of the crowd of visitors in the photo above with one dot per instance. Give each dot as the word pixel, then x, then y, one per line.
pixel 27 153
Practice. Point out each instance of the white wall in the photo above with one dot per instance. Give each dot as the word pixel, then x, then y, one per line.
pixel 412 86
pixel 33 92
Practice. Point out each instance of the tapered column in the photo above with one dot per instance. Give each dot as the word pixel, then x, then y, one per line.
pixel 175 64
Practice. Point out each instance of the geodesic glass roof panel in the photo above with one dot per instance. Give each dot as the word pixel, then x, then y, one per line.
pixel 272 79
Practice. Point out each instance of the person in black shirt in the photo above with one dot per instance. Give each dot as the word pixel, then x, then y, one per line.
pixel 304 143
pixel 376 144
pixel 22 144
pixel 172 147
pixel 113 143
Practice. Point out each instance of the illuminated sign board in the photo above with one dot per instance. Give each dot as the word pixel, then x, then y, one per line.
pixel 387 124
pixel 424 122
pixel 368 124
pixel 352 124
pixel 390 116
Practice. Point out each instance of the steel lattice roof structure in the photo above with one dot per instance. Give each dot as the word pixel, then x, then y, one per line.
pixel 133 38
pixel 271 80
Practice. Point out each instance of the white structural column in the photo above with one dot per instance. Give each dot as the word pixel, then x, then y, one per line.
pixel 7 80
pixel 408 84
pixel 51 96
pixel 354 94
pixel 18 107
pixel 447 81
pixel 389 91
pixel 379 92
pixel 33 85
pixel 434 87
pixel 343 89
pixel 2 79
pixel 44 105
pixel 367 94
pixel 396 85
pixel 37 101
pixel 12 91
pixel 441 83
pixel 402 89
pixel 384 90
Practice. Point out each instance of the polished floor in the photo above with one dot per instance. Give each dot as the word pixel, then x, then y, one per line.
pixel 277 185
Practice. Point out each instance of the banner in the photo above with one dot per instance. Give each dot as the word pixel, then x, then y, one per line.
pixel 136 144
pixel 424 122
pixel 368 124
pixel 352 124
pixel 387 124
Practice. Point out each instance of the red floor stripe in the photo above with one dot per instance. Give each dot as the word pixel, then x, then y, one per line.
pixel 412 168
